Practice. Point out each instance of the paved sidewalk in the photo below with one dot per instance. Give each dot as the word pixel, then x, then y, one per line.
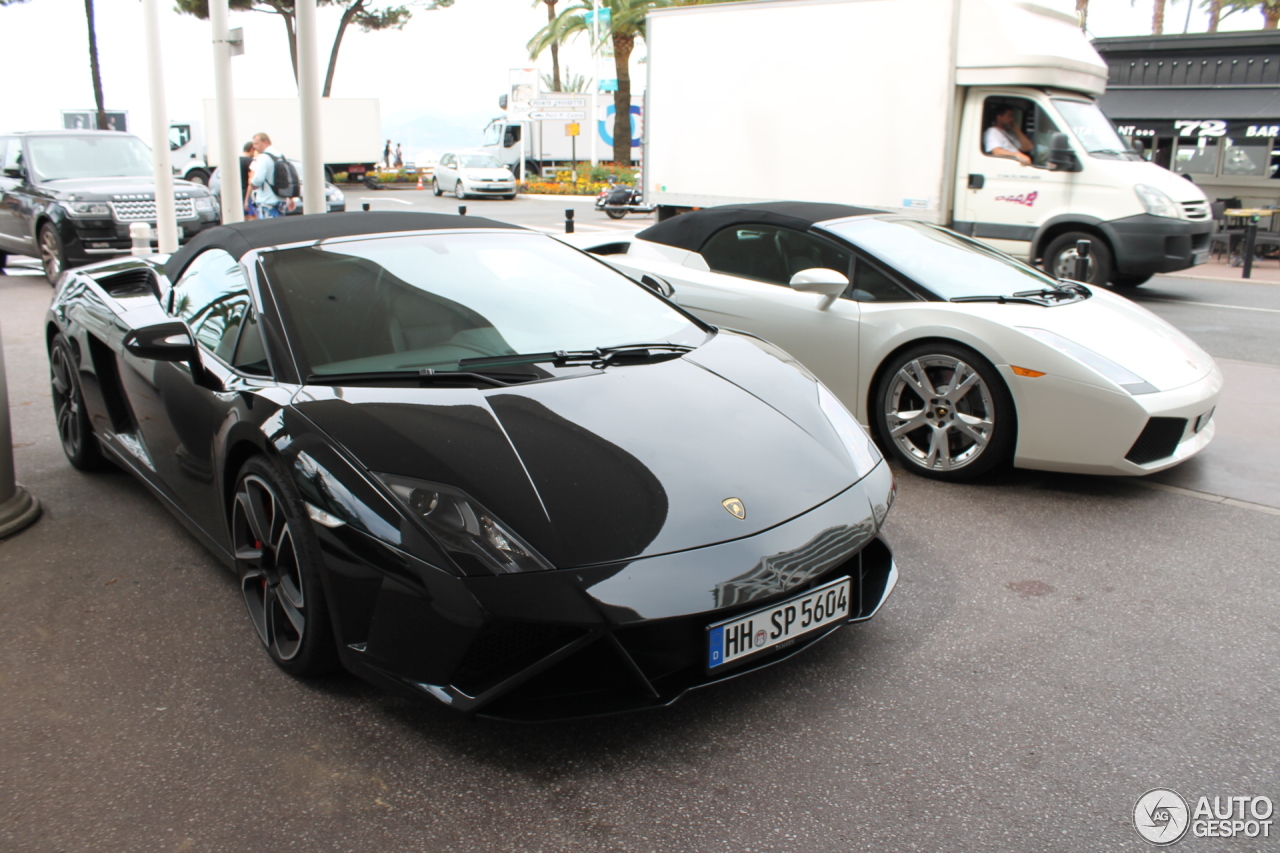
pixel 1265 271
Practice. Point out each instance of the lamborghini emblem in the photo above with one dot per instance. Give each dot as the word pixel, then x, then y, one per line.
pixel 735 506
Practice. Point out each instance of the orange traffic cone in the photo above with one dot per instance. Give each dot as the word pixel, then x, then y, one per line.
pixel 420 186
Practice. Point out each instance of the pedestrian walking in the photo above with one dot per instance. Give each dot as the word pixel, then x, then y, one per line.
pixel 399 161
pixel 386 155
pixel 260 192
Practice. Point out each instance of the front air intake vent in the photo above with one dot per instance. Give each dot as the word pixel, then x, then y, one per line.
pixel 1159 440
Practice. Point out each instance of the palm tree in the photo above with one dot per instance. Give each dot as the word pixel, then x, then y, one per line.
pixel 94 69
pixel 1157 18
pixel 626 24
pixel 555 46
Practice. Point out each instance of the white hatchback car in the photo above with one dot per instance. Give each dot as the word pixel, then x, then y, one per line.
pixel 473 173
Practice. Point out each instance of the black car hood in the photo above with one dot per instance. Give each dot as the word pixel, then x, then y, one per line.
pixel 105 188
pixel 632 461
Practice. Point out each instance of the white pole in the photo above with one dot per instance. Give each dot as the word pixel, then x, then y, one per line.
pixel 166 209
pixel 313 200
pixel 228 151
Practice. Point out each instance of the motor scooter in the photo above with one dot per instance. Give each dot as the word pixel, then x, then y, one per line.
pixel 617 200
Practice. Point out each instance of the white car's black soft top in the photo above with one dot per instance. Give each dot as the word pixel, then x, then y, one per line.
pixel 691 230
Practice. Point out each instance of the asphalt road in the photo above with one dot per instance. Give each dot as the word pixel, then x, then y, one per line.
pixel 1057 646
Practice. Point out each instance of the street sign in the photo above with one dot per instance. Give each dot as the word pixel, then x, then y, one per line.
pixel 609 85
pixel 570 115
pixel 572 129
pixel 558 103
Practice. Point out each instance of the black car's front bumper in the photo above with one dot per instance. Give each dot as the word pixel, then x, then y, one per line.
pixel 88 240
pixel 600 639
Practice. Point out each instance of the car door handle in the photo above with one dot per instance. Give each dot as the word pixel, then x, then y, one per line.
pixel 976 182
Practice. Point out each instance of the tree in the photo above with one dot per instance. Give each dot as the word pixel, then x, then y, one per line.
pixel 570 82
pixel 362 13
pixel 555 47
pixel 94 68
pixel 1270 10
pixel 1215 12
pixel 1157 18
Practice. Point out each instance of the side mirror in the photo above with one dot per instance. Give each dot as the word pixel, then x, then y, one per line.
pixel 14 172
pixel 659 286
pixel 162 342
pixel 1061 157
pixel 820 280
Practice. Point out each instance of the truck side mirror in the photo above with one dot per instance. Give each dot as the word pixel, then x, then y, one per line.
pixel 1061 157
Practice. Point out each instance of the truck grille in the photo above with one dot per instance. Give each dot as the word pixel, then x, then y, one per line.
pixel 1195 210
pixel 145 211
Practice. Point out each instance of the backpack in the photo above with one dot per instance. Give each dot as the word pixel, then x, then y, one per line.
pixel 284 178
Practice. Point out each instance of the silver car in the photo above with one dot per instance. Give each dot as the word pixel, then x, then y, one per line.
pixel 473 173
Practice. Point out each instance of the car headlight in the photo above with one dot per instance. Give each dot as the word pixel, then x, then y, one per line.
pixel 88 208
pixel 333 194
pixel 203 202
pixel 1156 202
pixel 1122 376
pixel 862 451
pixel 464 528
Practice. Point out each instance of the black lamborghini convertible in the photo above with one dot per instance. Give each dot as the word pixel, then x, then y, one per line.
pixel 465 460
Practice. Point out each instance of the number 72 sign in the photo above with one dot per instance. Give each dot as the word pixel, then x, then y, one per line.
pixel 1201 127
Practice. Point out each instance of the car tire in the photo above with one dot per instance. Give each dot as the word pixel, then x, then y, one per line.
pixel 960 432
pixel 278 558
pixel 75 430
pixel 615 213
pixel 435 188
pixel 198 176
pixel 457 190
pixel 1131 280
pixel 1060 257
pixel 53 255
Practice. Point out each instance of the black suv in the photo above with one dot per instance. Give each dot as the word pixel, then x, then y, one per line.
pixel 68 197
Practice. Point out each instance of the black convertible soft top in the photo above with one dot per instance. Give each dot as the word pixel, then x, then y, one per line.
pixel 241 237
pixel 691 230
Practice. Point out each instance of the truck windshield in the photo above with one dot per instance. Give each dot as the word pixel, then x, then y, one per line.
pixel 106 156
pixel 1094 130
pixel 942 261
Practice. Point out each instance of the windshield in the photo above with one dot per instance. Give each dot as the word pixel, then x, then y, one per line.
pixel 942 261
pixel 480 161
pixel 1093 129
pixel 430 301
pixel 107 156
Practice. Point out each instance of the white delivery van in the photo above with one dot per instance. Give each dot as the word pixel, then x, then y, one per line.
pixel 545 137
pixel 884 103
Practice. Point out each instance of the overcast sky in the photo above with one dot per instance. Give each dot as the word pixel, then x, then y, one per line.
pixel 438 79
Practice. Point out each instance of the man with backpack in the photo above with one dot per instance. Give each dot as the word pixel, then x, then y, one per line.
pixel 273 187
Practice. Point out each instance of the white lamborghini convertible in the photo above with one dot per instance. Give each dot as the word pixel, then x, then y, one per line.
pixel 957 356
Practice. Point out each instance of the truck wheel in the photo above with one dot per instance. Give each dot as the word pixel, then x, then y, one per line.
pixel 1130 280
pixel 53 255
pixel 1060 258
pixel 198 176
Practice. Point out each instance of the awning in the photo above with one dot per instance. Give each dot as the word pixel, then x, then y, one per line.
pixel 1175 103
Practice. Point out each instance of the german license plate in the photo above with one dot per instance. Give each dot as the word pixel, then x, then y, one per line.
pixel 778 625
pixel 1199 258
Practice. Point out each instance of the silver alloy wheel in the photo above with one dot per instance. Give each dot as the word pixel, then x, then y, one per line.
pixel 457 190
pixel 1064 265
pixel 50 253
pixel 270 574
pixel 66 400
pixel 939 412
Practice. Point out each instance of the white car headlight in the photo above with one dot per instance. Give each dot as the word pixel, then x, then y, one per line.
pixel 333 194
pixel 1122 376
pixel 89 208
pixel 203 202
pixel 1157 202
pixel 862 451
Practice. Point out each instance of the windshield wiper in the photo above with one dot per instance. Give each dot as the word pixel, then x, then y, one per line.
pixel 597 358
pixel 424 376
pixel 1023 299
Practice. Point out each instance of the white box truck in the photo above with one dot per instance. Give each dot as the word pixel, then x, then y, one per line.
pixel 543 131
pixel 351 131
pixel 885 103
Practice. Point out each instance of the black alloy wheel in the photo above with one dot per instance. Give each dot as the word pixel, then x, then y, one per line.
pixel 943 410
pixel 277 558
pixel 1060 258
pixel 74 429
pixel 53 255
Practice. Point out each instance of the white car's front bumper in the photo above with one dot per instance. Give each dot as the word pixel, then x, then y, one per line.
pixel 1064 425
